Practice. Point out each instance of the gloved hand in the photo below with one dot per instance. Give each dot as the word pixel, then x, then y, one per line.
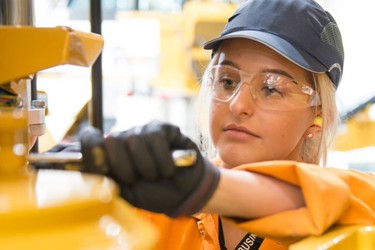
pixel 140 162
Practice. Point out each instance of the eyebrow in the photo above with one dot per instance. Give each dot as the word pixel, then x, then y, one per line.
pixel 276 71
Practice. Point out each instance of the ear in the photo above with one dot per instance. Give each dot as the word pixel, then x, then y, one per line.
pixel 315 129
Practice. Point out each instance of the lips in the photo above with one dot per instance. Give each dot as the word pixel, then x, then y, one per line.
pixel 232 128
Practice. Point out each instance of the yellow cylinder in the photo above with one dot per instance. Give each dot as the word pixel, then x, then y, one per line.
pixel 52 209
pixel 60 210
pixel 13 142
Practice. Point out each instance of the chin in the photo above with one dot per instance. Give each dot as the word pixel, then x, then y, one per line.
pixel 233 159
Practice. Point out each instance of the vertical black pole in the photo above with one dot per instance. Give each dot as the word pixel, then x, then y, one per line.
pixel 96 108
pixel 34 96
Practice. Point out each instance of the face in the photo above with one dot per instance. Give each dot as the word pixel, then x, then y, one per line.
pixel 244 133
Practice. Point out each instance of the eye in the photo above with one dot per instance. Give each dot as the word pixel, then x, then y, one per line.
pixel 271 91
pixel 272 85
pixel 226 81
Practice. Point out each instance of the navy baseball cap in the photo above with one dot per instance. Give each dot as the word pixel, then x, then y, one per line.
pixel 300 30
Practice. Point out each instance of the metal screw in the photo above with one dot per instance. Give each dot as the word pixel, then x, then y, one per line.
pixel 38 104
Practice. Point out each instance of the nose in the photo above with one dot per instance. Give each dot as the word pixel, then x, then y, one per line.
pixel 243 102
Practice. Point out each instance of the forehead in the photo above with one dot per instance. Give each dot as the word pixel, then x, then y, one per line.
pixel 254 57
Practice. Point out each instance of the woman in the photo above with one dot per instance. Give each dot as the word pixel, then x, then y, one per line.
pixel 268 115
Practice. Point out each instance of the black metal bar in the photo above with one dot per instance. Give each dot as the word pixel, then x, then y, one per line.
pixel 137 5
pixel 96 107
pixel 34 96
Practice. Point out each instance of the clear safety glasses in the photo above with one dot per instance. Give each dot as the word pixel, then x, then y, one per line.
pixel 270 91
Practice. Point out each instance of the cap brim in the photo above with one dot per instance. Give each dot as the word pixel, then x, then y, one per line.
pixel 281 46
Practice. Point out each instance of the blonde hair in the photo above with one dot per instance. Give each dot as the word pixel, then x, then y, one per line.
pixel 203 112
pixel 314 150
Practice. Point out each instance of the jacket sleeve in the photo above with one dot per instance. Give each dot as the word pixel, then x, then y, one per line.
pixel 332 196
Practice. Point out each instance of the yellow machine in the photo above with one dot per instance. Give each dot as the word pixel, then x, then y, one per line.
pixel 358 131
pixel 51 209
pixel 343 238
pixel 182 37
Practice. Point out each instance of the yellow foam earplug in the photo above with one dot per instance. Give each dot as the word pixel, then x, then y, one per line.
pixel 318 121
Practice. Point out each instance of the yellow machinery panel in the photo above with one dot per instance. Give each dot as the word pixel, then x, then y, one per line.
pixel 28 49
pixel 357 132
pixel 52 209
pixel 343 238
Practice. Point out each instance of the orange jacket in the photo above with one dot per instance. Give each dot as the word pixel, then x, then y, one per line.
pixel 332 196
pixel 198 232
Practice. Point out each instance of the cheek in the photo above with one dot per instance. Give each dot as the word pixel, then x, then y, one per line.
pixel 291 129
pixel 216 115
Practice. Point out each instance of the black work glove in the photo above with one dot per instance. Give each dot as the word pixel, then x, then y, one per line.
pixel 140 161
